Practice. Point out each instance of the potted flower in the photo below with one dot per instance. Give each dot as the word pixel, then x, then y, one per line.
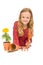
pixel 7 39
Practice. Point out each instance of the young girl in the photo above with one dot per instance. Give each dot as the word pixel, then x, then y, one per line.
pixel 23 29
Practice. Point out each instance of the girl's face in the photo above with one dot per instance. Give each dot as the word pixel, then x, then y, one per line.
pixel 25 17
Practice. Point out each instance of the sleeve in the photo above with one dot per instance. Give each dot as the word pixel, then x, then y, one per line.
pixel 15 34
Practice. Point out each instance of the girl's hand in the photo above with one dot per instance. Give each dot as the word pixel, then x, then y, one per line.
pixel 28 44
pixel 17 47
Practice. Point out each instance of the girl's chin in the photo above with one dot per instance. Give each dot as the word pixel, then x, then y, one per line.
pixel 25 23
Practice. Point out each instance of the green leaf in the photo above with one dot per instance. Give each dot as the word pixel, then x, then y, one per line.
pixel 6 37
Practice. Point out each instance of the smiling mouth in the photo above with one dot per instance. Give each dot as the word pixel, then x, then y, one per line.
pixel 25 21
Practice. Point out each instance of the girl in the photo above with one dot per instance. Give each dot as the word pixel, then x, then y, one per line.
pixel 23 29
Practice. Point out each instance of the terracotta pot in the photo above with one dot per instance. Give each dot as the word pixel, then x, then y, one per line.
pixel 6 46
pixel 12 46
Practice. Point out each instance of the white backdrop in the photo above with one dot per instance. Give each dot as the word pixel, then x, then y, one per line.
pixel 9 12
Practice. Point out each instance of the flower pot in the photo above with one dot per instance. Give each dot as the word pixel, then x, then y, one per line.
pixel 6 46
pixel 12 48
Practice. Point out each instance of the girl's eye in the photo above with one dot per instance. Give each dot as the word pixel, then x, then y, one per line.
pixel 27 17
pixel 23 17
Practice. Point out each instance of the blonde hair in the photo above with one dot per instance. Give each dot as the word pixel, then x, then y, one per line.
pixel 29 25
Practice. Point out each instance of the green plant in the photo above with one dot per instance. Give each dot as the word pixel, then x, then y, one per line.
pixel 6 35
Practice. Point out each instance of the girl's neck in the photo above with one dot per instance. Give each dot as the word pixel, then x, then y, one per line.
pixel 24 26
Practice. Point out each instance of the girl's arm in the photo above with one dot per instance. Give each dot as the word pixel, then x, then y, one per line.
pixel 15 34
pixel 28 43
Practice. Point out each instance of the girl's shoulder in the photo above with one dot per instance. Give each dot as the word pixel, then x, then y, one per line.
pixel 15 26
pixel 16 23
